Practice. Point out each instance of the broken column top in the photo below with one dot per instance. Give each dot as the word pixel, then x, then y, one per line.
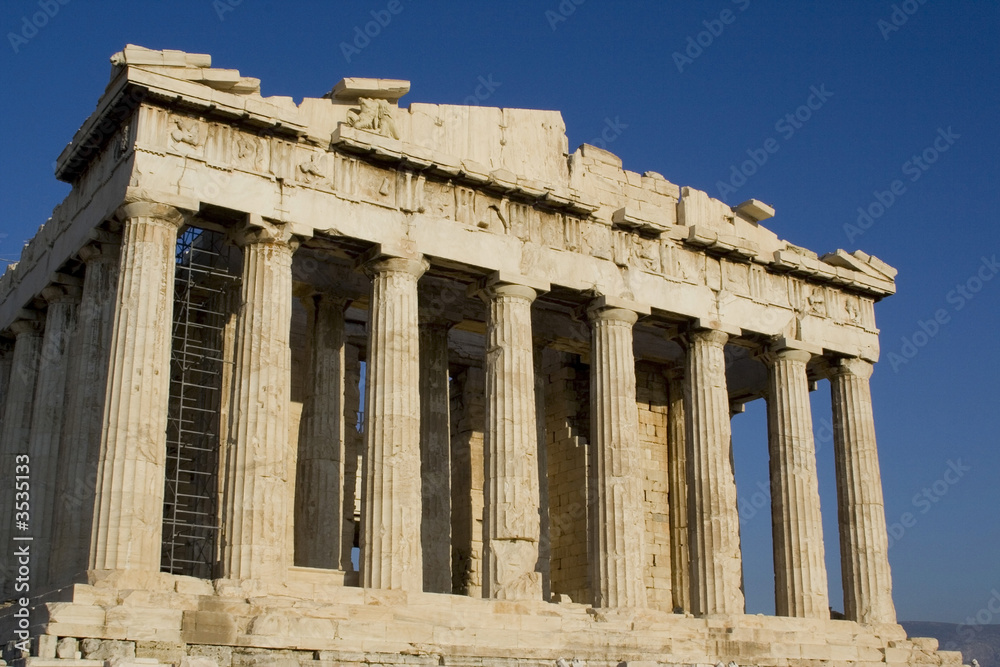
pixel 350 89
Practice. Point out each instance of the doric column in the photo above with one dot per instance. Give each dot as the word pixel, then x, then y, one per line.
pixel 435 457
pixel 617 521
pixel 47 416
pixel 84 410
pixel 864 545
pixel 390 493
pixel 712 514
pixel 468 416
pixel 319 488
pixel 677 495
pixel 257 503
pixel 545 523
pixel 128 509
pixel 6 359
pixel 511 527
pixel 800 587
pixel 352 452
pixel 16 433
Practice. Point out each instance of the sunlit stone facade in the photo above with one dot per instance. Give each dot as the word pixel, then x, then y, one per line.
pixel 536 464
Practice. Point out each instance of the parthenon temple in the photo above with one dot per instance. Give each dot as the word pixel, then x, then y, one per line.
pixel 348 383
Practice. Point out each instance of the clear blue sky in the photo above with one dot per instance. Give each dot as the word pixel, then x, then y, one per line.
pixel 929 89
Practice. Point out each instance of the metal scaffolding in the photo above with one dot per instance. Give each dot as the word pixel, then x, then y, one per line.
pixel 206 286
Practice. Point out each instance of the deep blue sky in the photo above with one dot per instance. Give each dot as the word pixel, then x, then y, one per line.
pixel 891 93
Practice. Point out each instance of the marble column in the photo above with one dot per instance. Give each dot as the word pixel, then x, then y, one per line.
pixel 6 359
pixel 617 521
pixel 677 496
pixel 435 457
pixel 84 409
pixel 15 435
pixel 47 416
pixel 390 493
pixel 545 522
pixel 864 544
pixel 319 487
pixel 128 506
pixel 511 526
pixel 800 587
pixel 257 503
pixel 353 443
pixel 712 513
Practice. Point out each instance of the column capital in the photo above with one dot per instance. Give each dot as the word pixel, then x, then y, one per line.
pixel 789 348
pixel 713 337
pixel 100 252
pixel 435 321
pixel 415 267
pixel 61 293
pixel 147 209
pixel 304 292
pixel 257 230
pixel 502 283
pixel 851 366
pixel 27 326
pixel 612 315
pixel 604 307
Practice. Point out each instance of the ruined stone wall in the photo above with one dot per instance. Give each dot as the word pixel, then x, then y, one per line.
pixel 468 418
pixel 651 398
pixel 567 430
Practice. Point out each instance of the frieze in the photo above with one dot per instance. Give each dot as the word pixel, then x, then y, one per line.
pixel 502 203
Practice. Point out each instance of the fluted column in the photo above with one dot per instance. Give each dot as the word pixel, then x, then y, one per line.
pixel 390 493
pixel 435 457
pixel 352 452
pixel 16 433
pixel 84 409
pixel 617 523
pixel 319 488
pixel 128 508
pixel 47 416
pixel 511 527
pixel 257 505
pixel 6 359
pixel 864 544
pixel 712 514
pixel 677 495
pixel 800 587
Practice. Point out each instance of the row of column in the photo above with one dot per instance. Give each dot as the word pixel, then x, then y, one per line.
pixel 129 337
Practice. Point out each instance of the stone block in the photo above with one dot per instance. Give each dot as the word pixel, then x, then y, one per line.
pixel 44 646
pixel 165 652
pixel 107 649
pixel 208 627
pixel 68 648
pixel 197 661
